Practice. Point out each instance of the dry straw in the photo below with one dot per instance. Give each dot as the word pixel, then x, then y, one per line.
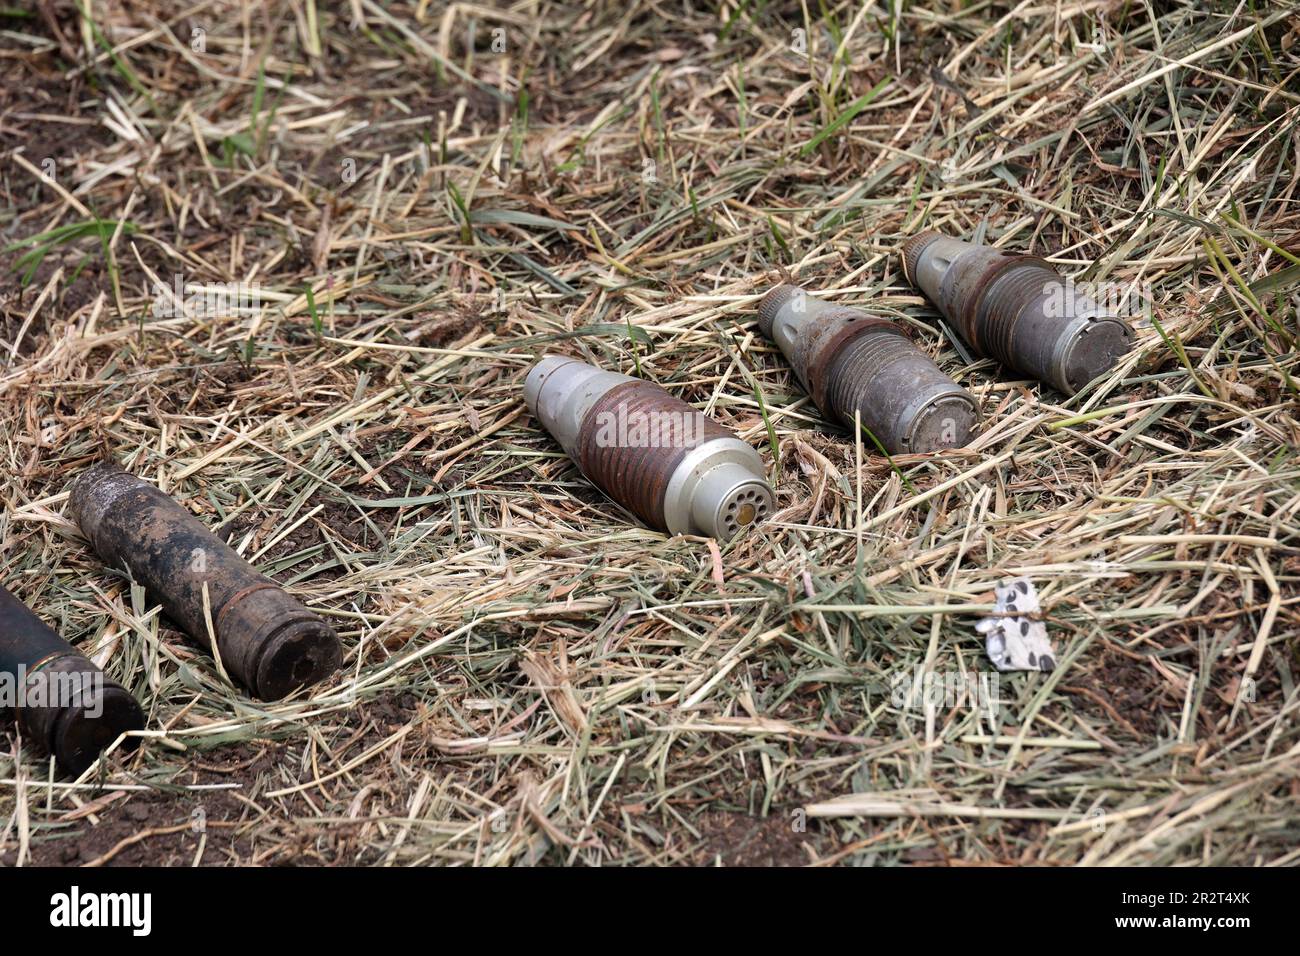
pixel 531 677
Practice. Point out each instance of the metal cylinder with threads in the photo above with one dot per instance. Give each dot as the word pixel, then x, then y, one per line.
pixel 860 367
pixel 267 641
pixel 64 702
pixel 1017 310
pixel 669 464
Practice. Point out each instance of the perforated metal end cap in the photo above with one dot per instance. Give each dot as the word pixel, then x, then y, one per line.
pixel 717 489
pixel 911 251
pixel 743 506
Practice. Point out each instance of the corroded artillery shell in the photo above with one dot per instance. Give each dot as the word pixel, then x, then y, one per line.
pixel 268 642
pixel 1017 310
pixel 860 367
pixel 66 704
pixel 669 464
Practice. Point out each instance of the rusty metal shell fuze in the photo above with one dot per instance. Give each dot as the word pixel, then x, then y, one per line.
pixel 852 362
pixel 1017 310
pixel 669 464
pixel 268 642
pixel 64 702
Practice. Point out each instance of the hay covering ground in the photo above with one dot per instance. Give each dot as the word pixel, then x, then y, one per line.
pixel 428 197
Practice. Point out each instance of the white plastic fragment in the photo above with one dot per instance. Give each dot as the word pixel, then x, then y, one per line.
pixel 1014 640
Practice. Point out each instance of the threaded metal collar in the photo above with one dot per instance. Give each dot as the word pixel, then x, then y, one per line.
pixel 911 250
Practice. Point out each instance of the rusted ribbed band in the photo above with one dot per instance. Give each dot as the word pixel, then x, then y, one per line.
pixel 1003 301
pixel 637 475
pixel 912 249
pixel 829 348
pixel 972 279
pixel 854 384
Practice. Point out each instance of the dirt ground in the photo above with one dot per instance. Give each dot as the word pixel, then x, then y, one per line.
pixel 378 215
